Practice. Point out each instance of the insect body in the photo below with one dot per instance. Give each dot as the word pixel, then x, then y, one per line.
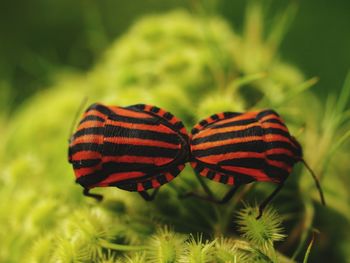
pixel 134 148
pixel 239 148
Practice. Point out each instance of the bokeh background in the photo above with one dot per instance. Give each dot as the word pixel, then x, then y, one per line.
pixel 41 38
pixel 193 58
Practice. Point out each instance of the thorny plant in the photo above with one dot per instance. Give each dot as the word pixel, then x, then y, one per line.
pixel 192 65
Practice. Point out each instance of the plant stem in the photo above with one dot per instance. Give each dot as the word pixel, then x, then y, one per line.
pixel 120 247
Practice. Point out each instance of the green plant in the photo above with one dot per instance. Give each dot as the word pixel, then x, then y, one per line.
pixel 193 66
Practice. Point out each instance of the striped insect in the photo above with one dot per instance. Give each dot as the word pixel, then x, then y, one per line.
pixel 239 148
pixel 134 148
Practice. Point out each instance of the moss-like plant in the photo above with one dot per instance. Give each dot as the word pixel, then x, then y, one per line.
pixel 192 65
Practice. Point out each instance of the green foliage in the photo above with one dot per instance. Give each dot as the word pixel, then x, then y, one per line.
pixel 192 66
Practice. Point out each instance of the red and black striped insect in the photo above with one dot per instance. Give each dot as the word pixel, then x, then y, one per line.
pixel 134 148
pixel 239 148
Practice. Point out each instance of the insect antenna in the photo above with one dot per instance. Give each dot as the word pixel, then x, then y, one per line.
pixel 81 106
pixel 317 182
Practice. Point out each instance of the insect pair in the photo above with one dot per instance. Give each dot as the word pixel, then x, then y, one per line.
pixel 142 147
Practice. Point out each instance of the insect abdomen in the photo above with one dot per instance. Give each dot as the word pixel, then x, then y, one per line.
pixel 138 149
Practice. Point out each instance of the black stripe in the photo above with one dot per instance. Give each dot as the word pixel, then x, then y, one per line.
pixel 282 158
pixel 276 172
pixel 253 131
pixel 155 109
pixel 85 163
pixel 117 167
pixel 223 179
pixel 91 118
pixel 277 131
pixel 129 182
pixel 214 117
pixel 264 113
pixel 129 186
pixel 256 163
pixel 86 131
pixel 175 171
pixel 239 178
pixel 168 116
pixel 194 131
pixel 229 114
pixel 136 107
pixel 100 108
pixel 198 169
pixel 113 131
pixel 253 146
pixel 178 125
pixel 112 149
pixel 147 185
pixel 203 123
pixel 274 121
pixel 211 175
pixel 285 145
pixel 234 123
pixel 162 179
pixel 148 121
pixel 85 147
pixel 91 179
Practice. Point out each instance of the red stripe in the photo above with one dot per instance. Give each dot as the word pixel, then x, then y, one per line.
pixel 143 142
pixel 193 164
pixel 155 183
pixel 117 177
pixel 159 161
pixel 274 125
pixel 217 177
pixel 280 164
pixel 181 167
pixel 279 151
pixel 87 170
pixel 214 159
pixel 231 180
pixel 130 113
pixel 140 187
pixel 207 145
pixel 85 155
pixel 95 113
pixel 169 177
pixel 148 107
pixel 183 131
pixel 161 112
pixel 90 138
pixel 204 172
pixel 90 124
pixel 209 131
pixel 255 173
pixel 270 137
pixel 271 117
pixel 245 116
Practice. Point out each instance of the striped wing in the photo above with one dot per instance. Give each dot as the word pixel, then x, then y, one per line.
pixel 86 145
pixel 235 148
pixel 143 147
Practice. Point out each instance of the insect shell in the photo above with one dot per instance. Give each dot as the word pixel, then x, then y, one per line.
pixel 134 148
pixel 239 148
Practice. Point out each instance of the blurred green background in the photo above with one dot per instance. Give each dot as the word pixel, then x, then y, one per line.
pixel 121 56
pixel 40 38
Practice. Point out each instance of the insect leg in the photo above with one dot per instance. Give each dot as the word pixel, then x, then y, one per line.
pixel 209 198
pixel 98 197
pixel 147 196
pixel 268 200
pixel 229 195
